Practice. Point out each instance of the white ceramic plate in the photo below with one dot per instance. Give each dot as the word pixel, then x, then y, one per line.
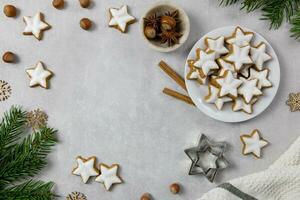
pixel 198 92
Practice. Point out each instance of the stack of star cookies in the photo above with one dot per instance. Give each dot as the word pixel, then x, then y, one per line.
pixel 233 69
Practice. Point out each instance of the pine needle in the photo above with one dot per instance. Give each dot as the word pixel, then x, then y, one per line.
pixel 295 22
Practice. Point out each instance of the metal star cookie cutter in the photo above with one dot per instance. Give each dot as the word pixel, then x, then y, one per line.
pixel 207 158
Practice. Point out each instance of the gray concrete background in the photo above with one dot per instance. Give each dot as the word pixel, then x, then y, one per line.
pixel 105 98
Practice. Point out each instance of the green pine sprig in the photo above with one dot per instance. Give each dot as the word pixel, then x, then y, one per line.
pixel 22 157
pixel 275 11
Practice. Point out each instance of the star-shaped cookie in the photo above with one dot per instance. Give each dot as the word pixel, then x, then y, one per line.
pixel 259 55
pixel 206 62
pixel 253 143
pixel 228 85
pixel 108 175
pixel 262 76
pixel 39 76
pixel 239 104
pixel 35 25
pixel 224 66
pixel 249 89
pixel 194 73
pixel 239 56
pixel 216 45
pixel 85 168
pixel 240 37
pixel 119 18
pixel 294 101
pixel 213 97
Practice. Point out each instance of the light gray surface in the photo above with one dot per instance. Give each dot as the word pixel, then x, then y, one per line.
pixel 106 100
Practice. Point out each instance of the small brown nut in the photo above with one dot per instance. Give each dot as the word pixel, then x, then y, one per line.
pixel 85 23
pixel 59 4
pixel 167 23
pixel 175 188
pixel 146 196
pixel 85 3
pixel 8 57
pixel 150 32
pixel 10 10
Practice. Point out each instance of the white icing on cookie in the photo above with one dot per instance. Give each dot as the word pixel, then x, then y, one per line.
pixel 39 75
pixel 259 55
pixel 85 168
pixel 213 97
pixel 108 176
pixel 120 18
pixel 239 56
pixel 206 62
pixel 240 105
pixel 35 25
pixel 240 38
pixel 216 45
pixel 249 89
pixel 228 85
pixel 194 74
pixel 253 143
pixel 245 71
pixel 262 77
pixel 226 66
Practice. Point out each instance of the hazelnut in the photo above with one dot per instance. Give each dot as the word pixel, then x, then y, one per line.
pixel 175 188
pixel 10 10
pixel 150 32
pixel 167 23
pixel 85 3
pixel 146 196
pixel 85 23
pixel 8 57
pixel 59 4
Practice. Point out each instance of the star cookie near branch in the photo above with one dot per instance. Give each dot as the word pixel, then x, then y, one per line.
pixel 120 19
pixel 39 76
pixel 253 143
pixel 240 37
pixel 35 25
pixel 86 168
pixel 109 175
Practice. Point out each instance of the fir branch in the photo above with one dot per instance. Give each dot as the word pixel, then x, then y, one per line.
pixel 11 127
pixel 228 2
pixel 27 158
pixel 29 190
pixel 295 22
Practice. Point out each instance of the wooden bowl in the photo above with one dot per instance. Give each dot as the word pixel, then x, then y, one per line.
pixel 161 8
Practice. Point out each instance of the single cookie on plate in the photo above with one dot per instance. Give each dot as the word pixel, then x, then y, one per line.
pixel 194 73
pixel 228 85
pixel 253 143
pixel 239 56
pixel 262 76
pixel 108 175
pixel 216 45
pixel 259 56
pixel 206 62
pixel 85 168
pixel 240 105
pixel 226 66
pixel 249 89
pixel 240 37
pixel 213 97
pixel 120 19
pixel 35 25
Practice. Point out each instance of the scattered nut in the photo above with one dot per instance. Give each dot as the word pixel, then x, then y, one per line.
pixel 85 3
pixel 59 4
pixel 175 188
pixel 146 196
pixel 85 23
pixel 10 10
pixel 150 32
pixel 8 57
pixel 167 23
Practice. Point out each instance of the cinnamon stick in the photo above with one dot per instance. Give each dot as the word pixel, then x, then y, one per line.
pixel 178 96
pixel 174 75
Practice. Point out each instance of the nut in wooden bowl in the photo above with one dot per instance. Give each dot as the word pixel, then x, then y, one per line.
pixel 169 23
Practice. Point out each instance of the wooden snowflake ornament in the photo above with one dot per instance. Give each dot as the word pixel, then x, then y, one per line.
pixel 294 101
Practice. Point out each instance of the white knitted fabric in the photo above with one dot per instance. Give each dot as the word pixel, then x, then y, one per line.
pixel 281 181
